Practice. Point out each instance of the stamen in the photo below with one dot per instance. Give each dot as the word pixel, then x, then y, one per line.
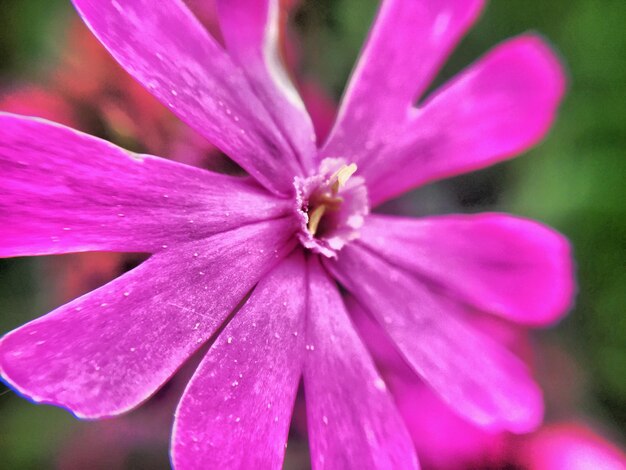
pixel 342 176
pixel 332 202
pixel 331 206
pixel 315 217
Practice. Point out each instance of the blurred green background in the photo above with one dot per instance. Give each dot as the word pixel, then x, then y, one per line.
pixel 574 181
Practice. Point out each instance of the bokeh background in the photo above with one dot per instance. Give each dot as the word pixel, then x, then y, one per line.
pixel 574 181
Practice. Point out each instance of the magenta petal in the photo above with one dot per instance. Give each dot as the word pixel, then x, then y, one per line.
pixel 569 446
pixel 63 191
pixel 352 420
pixel 109 350
pixel 498 108
pixel 478 378
pixel 443 439
pixel 251 32
pixel 167 50
pixel 501 264
pixel 407 44
pixel 237 408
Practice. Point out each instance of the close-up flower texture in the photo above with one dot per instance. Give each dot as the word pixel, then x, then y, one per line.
pixel 259 275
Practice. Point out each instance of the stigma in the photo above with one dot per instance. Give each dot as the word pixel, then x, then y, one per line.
pixel 331 206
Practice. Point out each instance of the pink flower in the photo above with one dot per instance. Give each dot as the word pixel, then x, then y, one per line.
pixel 569 446
pixel 251 264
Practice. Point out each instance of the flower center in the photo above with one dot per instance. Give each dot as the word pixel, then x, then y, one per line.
pixel 331 206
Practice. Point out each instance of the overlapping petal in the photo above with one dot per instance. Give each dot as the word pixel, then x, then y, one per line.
pixel 408 42
pixel 236 410
pixel 443 439
pixel 64 191
pixel 109 350
pixel 167 50
pixel 479 379
pixel 508 266
pixel 251 33
pixel 496 109
pixel 352 420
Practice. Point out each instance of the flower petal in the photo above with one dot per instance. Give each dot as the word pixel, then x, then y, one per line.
pixel 167 50
pixel 352 420
pixel 109 350
pixel 319 105
pixel 496 109
pixel 571 445
pixel 251 33
pixel 407 44
pixel 63 191
pixel 236 410
pixel 501 264
pixel 475 376
pixel 206 12
pixel 442 438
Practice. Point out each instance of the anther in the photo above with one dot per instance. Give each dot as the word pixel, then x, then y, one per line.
pixel 315 217
pixel 341 177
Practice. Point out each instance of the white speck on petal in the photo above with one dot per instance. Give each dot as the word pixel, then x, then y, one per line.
pixel 441 24
pixel 380 384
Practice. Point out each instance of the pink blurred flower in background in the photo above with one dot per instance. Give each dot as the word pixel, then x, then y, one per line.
pixel 249 264
pixel 569 446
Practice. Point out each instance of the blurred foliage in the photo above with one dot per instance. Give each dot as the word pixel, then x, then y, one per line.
pixel 574 181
